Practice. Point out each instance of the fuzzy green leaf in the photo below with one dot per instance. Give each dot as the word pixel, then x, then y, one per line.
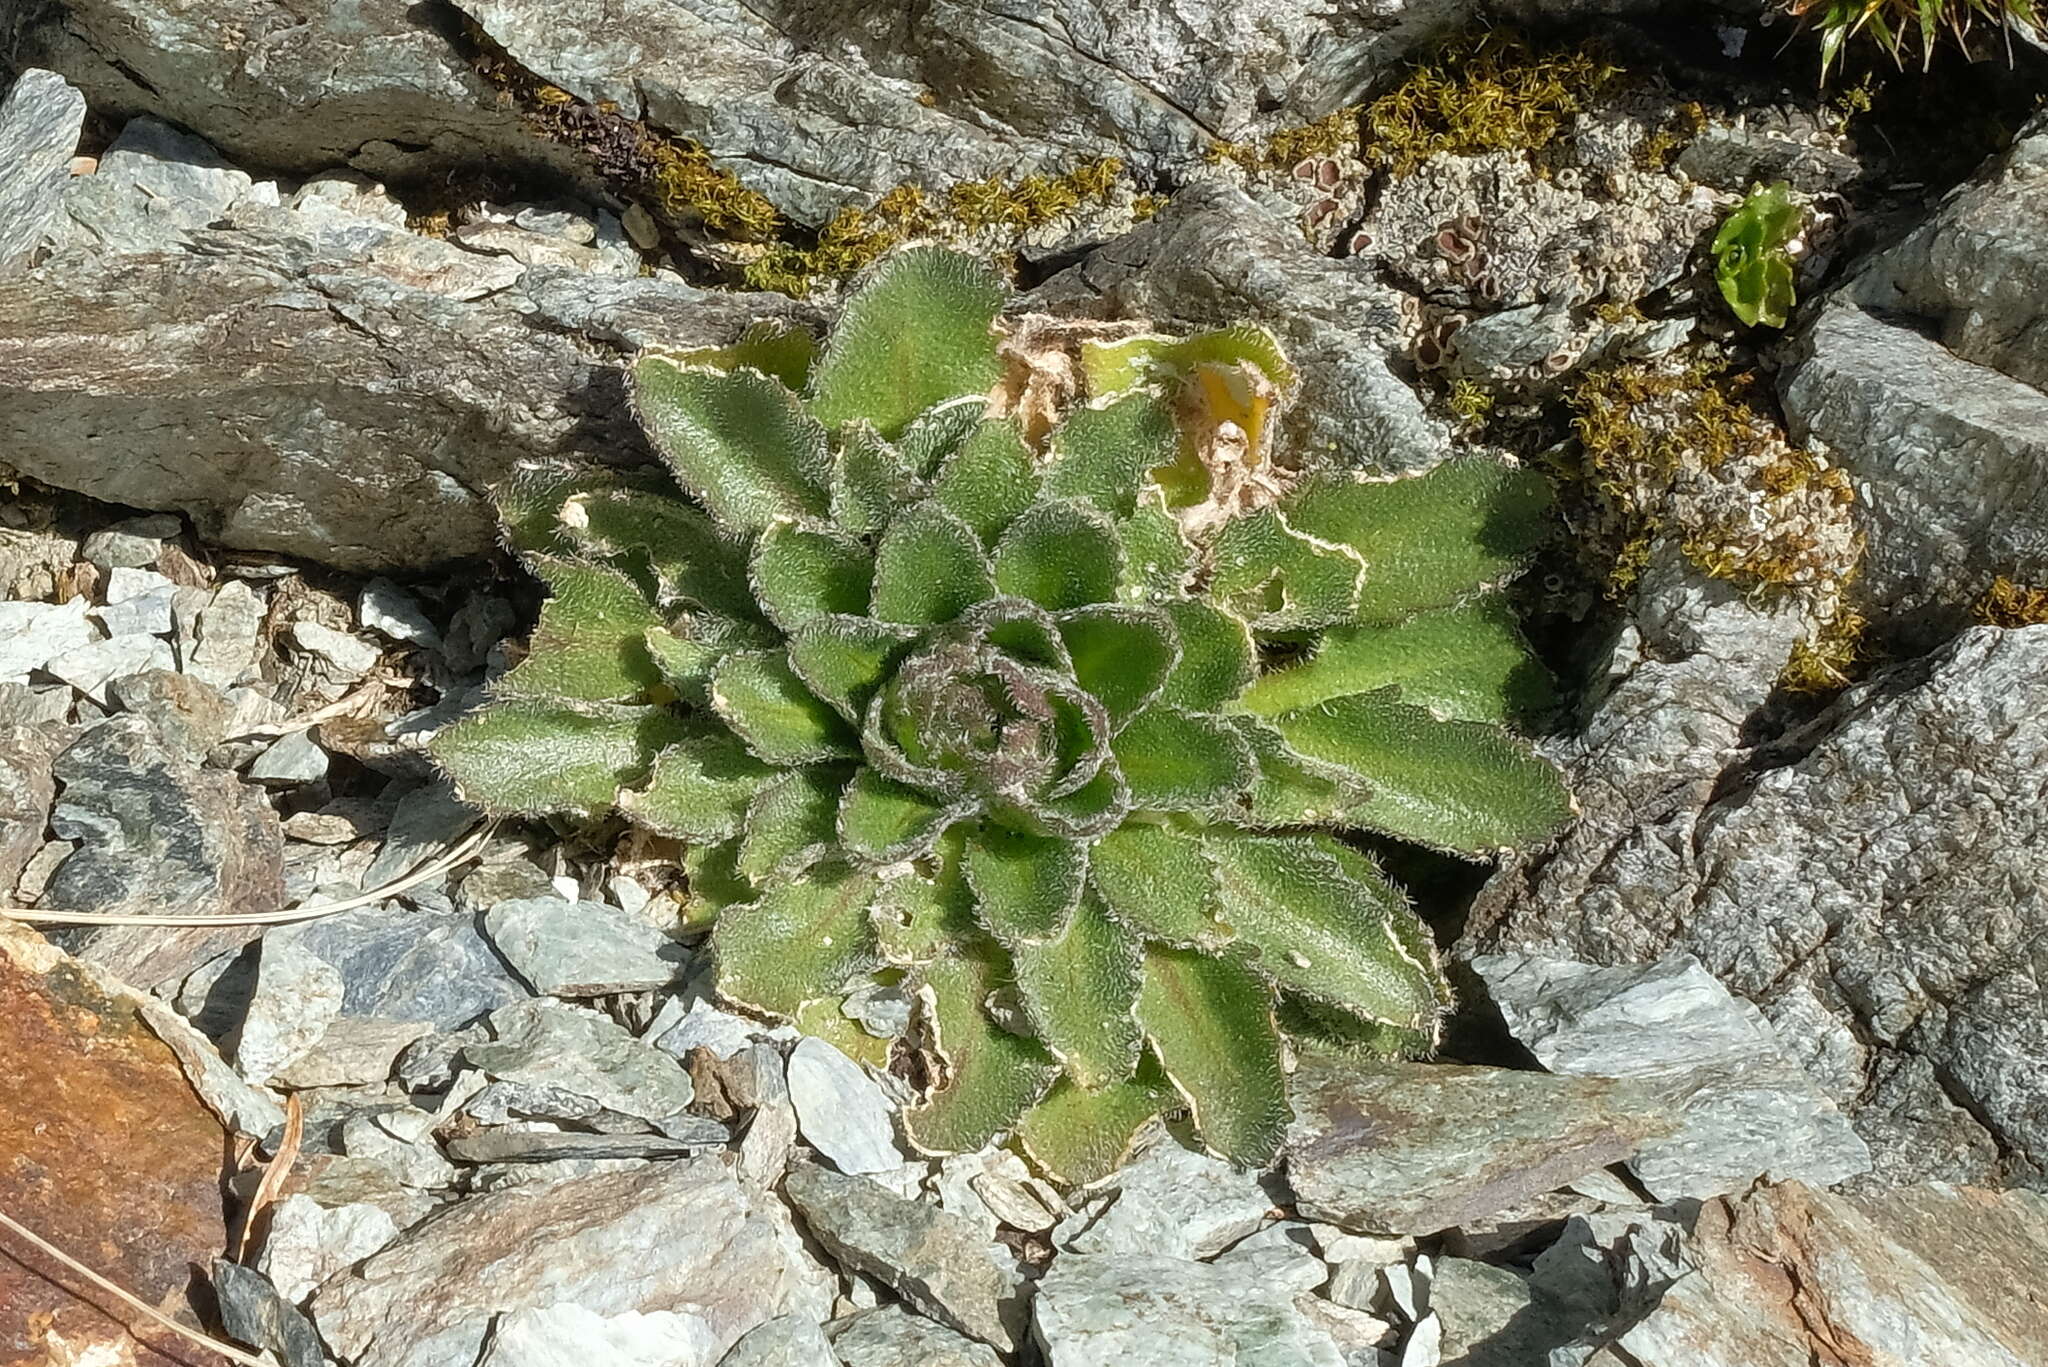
pixel 1077 1136
pixel 590 644
pixel 1025 886
pixel 1217 659
pixel 776 348
pixel 882 821
pixel 534 755
pixel 1292 789
pixel 1456 785
pixel 930 568
pixel 1177 761
pixel 916 332
pixel 1211 1023
pixel 664 540
pixel 530 498
pixel 1156 880
pixel 1466 662
pixel 712 882
pixel 1081 993
pixel 798 941
pixel 761 698
pixel 1276 579
pixel 1318 929
pixel 1097 807
pixel 1115 366
pixel 1060 555
pixel 1101 454
pixel 988 480
pixel 845 659
pixel 1121 655
pixel 739 441
pixel 1432 539
pixel 700 786
pixel 791 823
pixel 683 664
pixel 870 480
pixel 920 914
pixel 1158 561
pixel 806 572
pixel 935 434
pixel 991 1077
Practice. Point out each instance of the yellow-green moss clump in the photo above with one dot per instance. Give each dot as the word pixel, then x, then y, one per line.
pixel 1829 659
pixel 1492 91
pixel 1332 135
pixel 1689 449
pixel 2008 603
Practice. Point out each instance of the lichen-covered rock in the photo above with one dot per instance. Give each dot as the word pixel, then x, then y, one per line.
pixel 40 121
pixel 1878 882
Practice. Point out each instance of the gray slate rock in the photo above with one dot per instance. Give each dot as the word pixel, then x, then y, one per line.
pixel 510 1144
pixel 426 822
pixel 291 761
pixel 548 1336
pixel 1746 1110
pixel 582 949
pixel 253 1313
pixel 224 635
pixel 683 1236
pixel 890 1336
pixel 26 791
pixel 1876 885
pixel 1108 1310
pixel 786 1341
pixel 401 965
pixel 1169 1200
pixel 936 1261
pixel 551 1061
pixel 160 837
pixel 390 611
pixel 191 715
pixel 133 544
pixel 1403 1148
pixel 40 122
pixel 32 633
pixel 90 668
pixel 840 1111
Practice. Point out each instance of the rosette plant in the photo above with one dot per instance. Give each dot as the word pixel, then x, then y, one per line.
pixel 1018 673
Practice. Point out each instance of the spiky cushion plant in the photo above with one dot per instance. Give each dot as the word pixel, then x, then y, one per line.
pixel 1050 730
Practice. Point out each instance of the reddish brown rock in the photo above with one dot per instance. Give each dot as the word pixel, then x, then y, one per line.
pixel 105 1151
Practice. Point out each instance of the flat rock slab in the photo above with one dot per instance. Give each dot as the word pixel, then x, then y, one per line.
pixel 1745 1108
pixel 26 789
pixel 935 1260
pixel 891 1336
pixel 550 1061
pixel 840 1111
pixel 582 949
pixel 106 1151
pixel 1173 1201
pixel 568 1333
pixel 40 122
pixel 1120 1309
pixel 785 1341
pixel 1398 1148
pixel 685 1237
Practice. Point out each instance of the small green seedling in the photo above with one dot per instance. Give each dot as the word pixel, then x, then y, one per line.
pixel 1751 264
pixel 1027 720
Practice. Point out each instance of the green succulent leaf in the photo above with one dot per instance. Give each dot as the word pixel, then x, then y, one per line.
pixel 1456 785
pixel 1077 1135
pixel 1751 263
pixel 988 480
pixel 1278 579
pixel 1158 561
pixel 1101 455
pixel 921 913
pixel 791 823
pixel 805 572
pixel 870 480
pixel 990 1076
pixel 935 434
pixel 1178 761
pixel 1080 991
pixel 700 786
pixel 844 660
pixel 1156 880
pixel 1025 886
pixel 929 568
pixel 590 644
pixel 532 755
pixel 712 883
pixel 1115 366
pixel 761 698
pixel 738 441
pixel 882 821
pixel 1217 657
pixel 1121 655
pixel 531 497
pixel 1320 930
pixel 1210 1020
pixel 917 332
pixel 1466 662
pixel 1430 539
pixel 1063 554
pixel 1292 789
pixel 799 941
pixel 684 665
pixel 662 540
pixel 776 348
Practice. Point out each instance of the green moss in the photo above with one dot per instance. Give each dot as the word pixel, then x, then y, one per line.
pixel 1828 660
pixel 1470 402
pixel 2008 603
pixel 1492 91
pixel 1331 135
